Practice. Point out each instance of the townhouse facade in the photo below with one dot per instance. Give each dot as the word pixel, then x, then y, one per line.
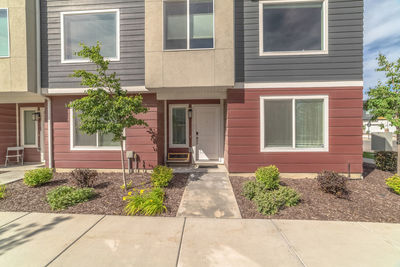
pixel 240 83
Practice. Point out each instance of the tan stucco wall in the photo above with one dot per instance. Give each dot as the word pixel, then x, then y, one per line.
pixel 190 68
pixel 18 72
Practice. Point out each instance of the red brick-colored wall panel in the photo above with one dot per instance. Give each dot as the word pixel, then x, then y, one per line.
pixel 138 139
pixel 8 129
pixel 345 132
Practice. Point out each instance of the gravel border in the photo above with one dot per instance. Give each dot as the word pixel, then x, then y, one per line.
pixel 370 200
pixel 108 200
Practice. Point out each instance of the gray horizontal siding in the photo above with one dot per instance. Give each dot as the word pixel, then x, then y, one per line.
pixel 344 61
pixel 130 69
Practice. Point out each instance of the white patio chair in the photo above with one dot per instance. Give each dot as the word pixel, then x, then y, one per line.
pixel 19 156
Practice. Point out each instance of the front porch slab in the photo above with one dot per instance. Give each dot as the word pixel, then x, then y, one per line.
pixel 209 195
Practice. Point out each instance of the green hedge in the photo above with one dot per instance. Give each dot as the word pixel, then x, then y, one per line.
pixel 38 177
pixel 386 160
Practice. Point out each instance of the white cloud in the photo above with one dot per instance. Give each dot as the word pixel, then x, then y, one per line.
pixel 381 35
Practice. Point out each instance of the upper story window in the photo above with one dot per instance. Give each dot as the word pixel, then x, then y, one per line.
pixel 294 123
pixel 293 27
pixel 188 24
pixel 4 34
pixel 88 27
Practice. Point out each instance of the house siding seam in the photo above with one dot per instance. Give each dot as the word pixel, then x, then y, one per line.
pixel 130 68
pixel 344 61
pixel 139 139
pixel 345 133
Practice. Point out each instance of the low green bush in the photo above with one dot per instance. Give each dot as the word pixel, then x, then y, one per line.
pixel 2 191
pixel 271 201
pixel 161 176
pixel 394 183
pixel 65 196
pixel 386 161
pixel 145 202
pixel 268 176
pixel 38 177
pixel 252 188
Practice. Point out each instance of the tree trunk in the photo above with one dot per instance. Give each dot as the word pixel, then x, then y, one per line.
pixel 398 151
pixel 123 164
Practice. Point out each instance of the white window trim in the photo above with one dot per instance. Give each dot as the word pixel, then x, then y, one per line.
pixel 171 144
pixel 22 127
pixel 8 33
pixel 293 148
pixel 325 43
pixel 88 148
pixel 67 61
pixel 187 30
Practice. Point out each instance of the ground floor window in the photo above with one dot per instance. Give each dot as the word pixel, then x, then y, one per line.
pixel 80 140
pixel 178 125
pixel 29 127
pixel 294 123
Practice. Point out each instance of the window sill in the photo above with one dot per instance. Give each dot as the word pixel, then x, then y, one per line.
pixel 277 150
pixel 30 146
pixel 95 148
pixel 187 50
pixel 79 61
pixel 296 53
pixel 178 146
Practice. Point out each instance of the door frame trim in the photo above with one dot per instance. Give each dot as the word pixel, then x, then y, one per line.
pixel 220 135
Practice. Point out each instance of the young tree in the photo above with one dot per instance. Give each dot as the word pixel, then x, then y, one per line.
pixel 107 108
pixel 384 99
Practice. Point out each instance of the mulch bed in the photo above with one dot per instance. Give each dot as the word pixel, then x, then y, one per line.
pixel 107 201
pixel 370 200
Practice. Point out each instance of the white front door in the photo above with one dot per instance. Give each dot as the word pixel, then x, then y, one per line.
pixel 207 133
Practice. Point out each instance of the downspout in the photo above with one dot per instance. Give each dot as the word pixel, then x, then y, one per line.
pixel 39 86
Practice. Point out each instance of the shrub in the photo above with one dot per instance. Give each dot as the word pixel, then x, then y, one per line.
pixel 66 196
pixel 270 202
pixel 128 185
pixel 268 176
pixel 38 177
pixel 84 177
pixel 161 176
pixel 394 183
pixel 386 160
pixel 333 183
pixel 252 188
pixel 144 202
pixel 2 191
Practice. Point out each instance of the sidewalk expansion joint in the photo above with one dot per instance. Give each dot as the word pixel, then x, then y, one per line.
pixel 180 243
pixel 387 240
pixel 291 248
pixel 15 219
pixel 76 240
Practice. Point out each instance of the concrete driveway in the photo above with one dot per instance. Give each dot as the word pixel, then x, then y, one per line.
pixel 35 239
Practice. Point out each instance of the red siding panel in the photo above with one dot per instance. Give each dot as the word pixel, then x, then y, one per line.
pixel 143 140
pixel 8 129
pixel 345 132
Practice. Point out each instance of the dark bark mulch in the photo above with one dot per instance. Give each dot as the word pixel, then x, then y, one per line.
pixel 107 201
pixel 370 200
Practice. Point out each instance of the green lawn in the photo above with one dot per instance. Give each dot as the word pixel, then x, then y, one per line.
pixel 368 155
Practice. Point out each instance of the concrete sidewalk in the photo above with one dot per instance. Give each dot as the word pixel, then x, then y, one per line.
pixel 16 172
pixel 35 239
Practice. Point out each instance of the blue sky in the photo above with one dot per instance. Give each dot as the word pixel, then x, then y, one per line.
pixel 381 34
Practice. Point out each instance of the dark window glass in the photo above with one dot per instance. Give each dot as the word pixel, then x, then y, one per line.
pixel 175 24
pixel 201 24
pixel 278 127
pixel 292 27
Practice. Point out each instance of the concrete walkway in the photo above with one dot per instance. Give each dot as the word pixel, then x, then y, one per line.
pixel 16 172
pixel 34 239
pixel 209 195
